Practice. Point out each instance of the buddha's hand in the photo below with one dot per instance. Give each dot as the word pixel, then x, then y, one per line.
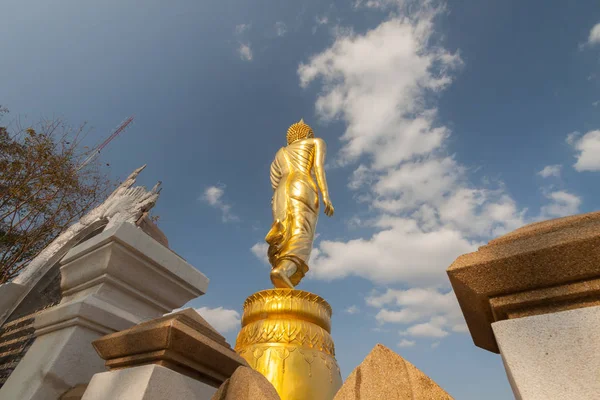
pixel 328 206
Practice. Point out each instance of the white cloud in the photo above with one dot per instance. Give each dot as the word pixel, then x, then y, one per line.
pixel 321 19
pixel 245 51
pixel 400 252
pixel 352 309
pixel 241 28
pixel 415 297
pixel 425 211
pixel 378 4
pixel 435 345
pixel 460 327
pixel 550 170
pixel 594 36
pixel 481 212
pixel 588 148
pixel 572 137
pixel 376 83
pixel 406 343
pixel 222 319
pixel 379 329
pixel 595 103
pixel 561 204
pixel 405 315
pixel 213 196
pixel 419 181
pixel 432 329
pixel 406 307
pixel 280 28
pixel 361 176
pixel 354 222
pixel 260 251
pixel 383 84
pixel 373 82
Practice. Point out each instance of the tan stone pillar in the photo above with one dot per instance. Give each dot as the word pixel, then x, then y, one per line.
pixel 178 356
pixel 534 296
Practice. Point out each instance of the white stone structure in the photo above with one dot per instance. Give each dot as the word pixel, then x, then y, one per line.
pixel 126 203
pixel 147 382
pixel 552 356
pixel 110 282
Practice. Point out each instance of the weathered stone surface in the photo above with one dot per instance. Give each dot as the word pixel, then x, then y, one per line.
pixel 383 374
pixel 17 333
pixel 181 341
pixel 152 230
pixel 56 362
pixel 75 393
pixel 146 382
pixel 552 356
pixel 246 384
pixel 541 268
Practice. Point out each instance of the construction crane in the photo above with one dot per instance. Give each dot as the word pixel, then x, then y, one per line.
pixel 97 151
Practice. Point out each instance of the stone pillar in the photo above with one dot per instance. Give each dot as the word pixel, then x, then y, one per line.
pixel 534 296
pixel 178 356
pixel 110 282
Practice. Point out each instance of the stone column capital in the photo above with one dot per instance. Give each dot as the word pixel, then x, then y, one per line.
pixel 183 342
pixel 540 268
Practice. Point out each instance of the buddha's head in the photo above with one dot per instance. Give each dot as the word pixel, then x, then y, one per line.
pixel 298 131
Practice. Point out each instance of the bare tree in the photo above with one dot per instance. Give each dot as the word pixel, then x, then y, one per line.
pixel 43 188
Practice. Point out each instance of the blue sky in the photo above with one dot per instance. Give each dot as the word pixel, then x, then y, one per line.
pixel 447 124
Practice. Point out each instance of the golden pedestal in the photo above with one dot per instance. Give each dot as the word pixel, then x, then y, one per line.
pixel 286 337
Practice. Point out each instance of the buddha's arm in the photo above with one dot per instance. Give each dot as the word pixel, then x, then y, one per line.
pixel 275 175
pixel 320 152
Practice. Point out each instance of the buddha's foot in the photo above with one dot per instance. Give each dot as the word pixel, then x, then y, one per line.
pixel 280 278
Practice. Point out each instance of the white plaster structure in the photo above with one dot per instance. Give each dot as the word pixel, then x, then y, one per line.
pixel 552 356
pixel 110 282
pixel 146 382
pixel 126 203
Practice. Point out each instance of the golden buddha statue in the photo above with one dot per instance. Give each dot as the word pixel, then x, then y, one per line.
pixel 286 333
pixel 295 204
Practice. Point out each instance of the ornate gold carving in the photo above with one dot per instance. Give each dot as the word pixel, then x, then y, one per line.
pixel 309 357
pixel 283 302
pixel 328 365
pixel 285 336
pixel 295 332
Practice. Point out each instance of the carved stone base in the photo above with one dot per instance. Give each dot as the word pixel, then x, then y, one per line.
pixel 146 382
pixel 286 336
pixel 183 342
